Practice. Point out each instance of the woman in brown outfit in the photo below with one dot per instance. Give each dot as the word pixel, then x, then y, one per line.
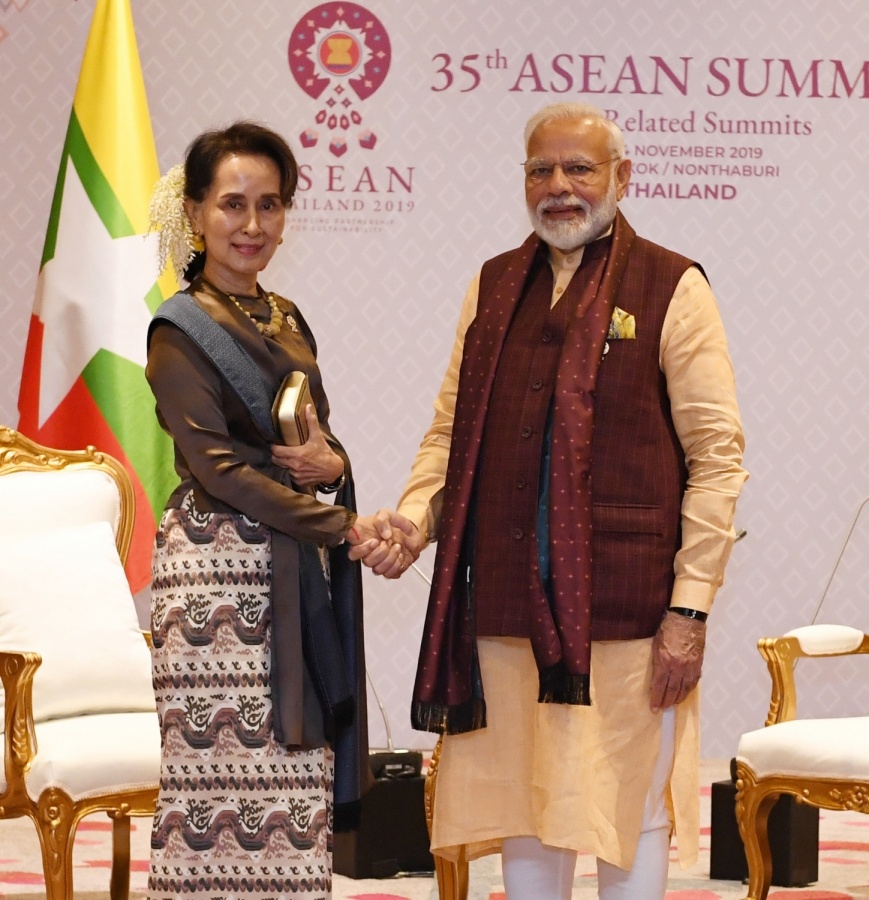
pixel 246 792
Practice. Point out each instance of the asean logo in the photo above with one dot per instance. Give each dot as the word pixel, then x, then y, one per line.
pixel 339 54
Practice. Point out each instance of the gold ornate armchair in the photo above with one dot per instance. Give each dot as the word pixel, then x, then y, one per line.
pixel 77 715
pixel 822 762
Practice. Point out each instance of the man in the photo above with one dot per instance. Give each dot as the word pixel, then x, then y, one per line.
pixel 580 476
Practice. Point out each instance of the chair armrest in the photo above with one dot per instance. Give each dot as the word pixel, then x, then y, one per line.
pixel 782 653
pixel 17 669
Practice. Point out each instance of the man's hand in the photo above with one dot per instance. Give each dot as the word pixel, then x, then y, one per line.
pixel 677 659
pixel 312 463
pixel 399 546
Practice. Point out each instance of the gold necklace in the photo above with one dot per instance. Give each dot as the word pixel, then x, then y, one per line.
pixel 276 320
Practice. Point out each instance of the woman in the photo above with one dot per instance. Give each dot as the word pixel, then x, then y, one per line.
pixel 240 599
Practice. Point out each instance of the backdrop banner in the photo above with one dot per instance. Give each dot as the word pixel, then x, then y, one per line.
pixel 743 123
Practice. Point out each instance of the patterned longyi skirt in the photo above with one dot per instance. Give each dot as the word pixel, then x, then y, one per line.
pixel 238 816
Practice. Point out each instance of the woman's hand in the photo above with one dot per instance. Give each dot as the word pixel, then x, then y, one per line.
pixel 312 463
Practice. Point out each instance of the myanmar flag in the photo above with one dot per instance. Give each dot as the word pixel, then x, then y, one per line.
pixel 83 380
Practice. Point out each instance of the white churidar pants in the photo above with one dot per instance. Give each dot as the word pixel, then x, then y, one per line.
pixel 534 871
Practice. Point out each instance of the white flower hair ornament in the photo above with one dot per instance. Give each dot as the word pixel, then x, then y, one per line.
pixel 169 219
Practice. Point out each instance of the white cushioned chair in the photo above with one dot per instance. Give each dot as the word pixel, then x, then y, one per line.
pixel 822 762
pixel 79 725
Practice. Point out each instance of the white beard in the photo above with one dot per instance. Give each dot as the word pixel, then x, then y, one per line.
pixel 567 236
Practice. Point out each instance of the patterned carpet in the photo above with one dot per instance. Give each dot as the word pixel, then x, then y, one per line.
pixel 843 865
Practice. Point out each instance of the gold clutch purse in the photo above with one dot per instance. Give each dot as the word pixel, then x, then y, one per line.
pixel 288 411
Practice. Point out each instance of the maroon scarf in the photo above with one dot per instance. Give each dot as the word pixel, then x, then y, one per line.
pixel 448 694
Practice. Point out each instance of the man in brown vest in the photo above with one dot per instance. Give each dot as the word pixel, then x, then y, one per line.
pixel 580 477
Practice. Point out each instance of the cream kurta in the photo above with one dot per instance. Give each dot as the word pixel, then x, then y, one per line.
pixel 577 776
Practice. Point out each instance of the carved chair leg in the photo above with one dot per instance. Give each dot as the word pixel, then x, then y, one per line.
pixel 119 887
pixel 56 827
pixel 753 806
pixel 452 877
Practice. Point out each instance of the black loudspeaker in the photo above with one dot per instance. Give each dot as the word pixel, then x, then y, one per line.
pixel 392 835
pixel 793 840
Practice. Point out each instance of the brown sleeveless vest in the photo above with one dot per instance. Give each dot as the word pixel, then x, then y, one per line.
pixel 624 503
pixel 638 471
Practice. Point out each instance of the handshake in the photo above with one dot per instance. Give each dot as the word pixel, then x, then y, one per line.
pixel 387 542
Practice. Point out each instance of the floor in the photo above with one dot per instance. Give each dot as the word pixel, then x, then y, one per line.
pixel 843 865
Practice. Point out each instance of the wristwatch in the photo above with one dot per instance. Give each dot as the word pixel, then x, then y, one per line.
pixel 336 485
pixel 689 613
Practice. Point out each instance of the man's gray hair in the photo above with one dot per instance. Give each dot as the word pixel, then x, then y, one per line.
pixel 555 111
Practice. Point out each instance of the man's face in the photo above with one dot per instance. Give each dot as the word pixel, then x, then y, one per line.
pixel 569 212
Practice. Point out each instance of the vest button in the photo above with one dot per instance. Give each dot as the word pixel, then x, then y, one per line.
pixel 520 483
pixel 536 384
pixel 518 534
pixel 547 335
pixel 527 432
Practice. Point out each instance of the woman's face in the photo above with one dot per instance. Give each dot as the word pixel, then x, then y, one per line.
pixel 241 221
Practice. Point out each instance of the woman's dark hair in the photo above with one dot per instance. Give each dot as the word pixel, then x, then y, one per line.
pixel 242 138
